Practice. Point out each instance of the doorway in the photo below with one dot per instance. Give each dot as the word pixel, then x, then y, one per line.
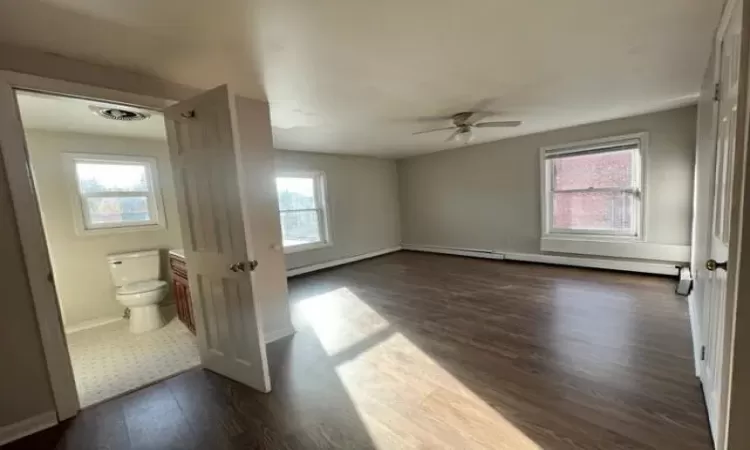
pixel 105 191
pixel 221 152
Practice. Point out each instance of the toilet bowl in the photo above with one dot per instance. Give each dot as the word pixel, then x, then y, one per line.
pixel 142 298
pixel 137 287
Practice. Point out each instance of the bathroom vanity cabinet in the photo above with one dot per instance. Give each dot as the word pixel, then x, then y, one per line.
pixel 181 289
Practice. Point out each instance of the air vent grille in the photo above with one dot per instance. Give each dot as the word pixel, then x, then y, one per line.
pixel 121 114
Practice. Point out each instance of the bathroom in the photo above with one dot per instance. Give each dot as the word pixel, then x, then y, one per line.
pixel 105 192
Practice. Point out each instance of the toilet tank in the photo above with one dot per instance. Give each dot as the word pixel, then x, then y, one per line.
pixel 127 268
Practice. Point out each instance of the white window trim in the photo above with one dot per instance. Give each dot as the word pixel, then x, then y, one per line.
pixel 155 200
pixel 639 177
pixel 321 199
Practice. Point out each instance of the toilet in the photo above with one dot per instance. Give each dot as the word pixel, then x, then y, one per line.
pixel 138 287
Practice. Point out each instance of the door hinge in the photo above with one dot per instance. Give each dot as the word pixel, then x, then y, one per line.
pixel 703 353
pixel 717 92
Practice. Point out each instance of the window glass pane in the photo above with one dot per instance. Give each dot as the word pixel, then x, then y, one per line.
pixel 300 227
pixel 114 210
pixel 295 193
pixel 103 177
pixel 597 170
pixel 600 211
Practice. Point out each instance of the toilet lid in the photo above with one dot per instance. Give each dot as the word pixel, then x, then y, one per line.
pixel 141 287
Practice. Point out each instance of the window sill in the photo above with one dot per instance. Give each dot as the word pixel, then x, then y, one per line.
pixel 306 247
pixel 628 248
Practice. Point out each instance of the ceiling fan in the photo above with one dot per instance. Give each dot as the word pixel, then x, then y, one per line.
pixel 464 122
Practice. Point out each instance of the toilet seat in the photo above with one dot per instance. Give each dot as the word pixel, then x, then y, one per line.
pixel 141 287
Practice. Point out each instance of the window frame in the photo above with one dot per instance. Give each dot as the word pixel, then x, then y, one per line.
pixel 322 207
pixel 601 145
pixel 83 225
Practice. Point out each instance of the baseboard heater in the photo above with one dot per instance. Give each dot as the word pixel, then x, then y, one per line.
pixel 657 268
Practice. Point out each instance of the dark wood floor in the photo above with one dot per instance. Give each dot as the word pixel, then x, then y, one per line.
pixel 425 351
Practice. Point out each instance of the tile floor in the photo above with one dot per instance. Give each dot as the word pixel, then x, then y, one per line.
pixel 110 360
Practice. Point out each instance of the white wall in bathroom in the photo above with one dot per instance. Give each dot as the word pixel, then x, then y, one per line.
pixel 82 277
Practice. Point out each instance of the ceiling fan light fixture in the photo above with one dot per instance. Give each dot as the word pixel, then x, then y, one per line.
pixel 465 138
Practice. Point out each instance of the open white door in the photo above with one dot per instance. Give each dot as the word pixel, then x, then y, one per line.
pixel 209 177
pixel 716 313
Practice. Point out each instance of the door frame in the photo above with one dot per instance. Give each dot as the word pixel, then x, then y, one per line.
pixel 735 430
pixel 29 221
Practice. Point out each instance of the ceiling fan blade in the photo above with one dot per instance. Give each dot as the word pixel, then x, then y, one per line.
pixel 477 116
pixel 433 130
pixel 453 136
pixel 483 109
pixel 504 124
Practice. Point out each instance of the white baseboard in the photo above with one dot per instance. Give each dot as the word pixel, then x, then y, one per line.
pixel 338 262
pixel 92 324
pixel 470 252
pixel 275 335
pixel 621 265
pixel 12 432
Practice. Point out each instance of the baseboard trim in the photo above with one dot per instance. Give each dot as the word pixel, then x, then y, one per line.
pixel 620 265
pixel 275 335
pixel 92 324
pixel 338 262
pixel 12 432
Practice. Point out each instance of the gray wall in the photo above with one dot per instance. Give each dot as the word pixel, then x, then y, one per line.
pixel 258 163
pixel 24 387
pixel 488 196
pixel 82 278
pixel 362 201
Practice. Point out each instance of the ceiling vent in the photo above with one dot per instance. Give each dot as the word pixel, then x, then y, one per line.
pixel 124 115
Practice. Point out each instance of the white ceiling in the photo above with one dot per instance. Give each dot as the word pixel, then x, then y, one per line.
pixel 355 76
pixel 54 113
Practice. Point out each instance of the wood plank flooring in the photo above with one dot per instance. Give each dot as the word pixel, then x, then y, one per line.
pixel 414 350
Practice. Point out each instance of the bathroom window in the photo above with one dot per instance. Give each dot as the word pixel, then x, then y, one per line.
pixel 303 210
pixel 115 193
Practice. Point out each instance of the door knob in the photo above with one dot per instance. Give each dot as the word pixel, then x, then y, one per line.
pixel 244 266
pixel 712 265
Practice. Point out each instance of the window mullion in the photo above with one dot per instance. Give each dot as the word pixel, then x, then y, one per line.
pixel 102 194
pixel 299 210
pixel 628 190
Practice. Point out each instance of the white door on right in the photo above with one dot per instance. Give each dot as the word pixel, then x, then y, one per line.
pixel 715 310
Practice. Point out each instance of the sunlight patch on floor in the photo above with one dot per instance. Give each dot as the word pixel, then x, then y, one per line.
pixel 324 312
pixel 404 398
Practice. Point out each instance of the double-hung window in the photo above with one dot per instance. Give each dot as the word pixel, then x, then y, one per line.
pixel 115 192
pixel 594 189
pixel 302 206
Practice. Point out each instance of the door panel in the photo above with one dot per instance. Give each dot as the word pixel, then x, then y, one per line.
pixel 204 152
pixel 715 310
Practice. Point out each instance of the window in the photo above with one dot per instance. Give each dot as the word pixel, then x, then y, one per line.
pixel 303 211
pixel 594 188
pixel 115 192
